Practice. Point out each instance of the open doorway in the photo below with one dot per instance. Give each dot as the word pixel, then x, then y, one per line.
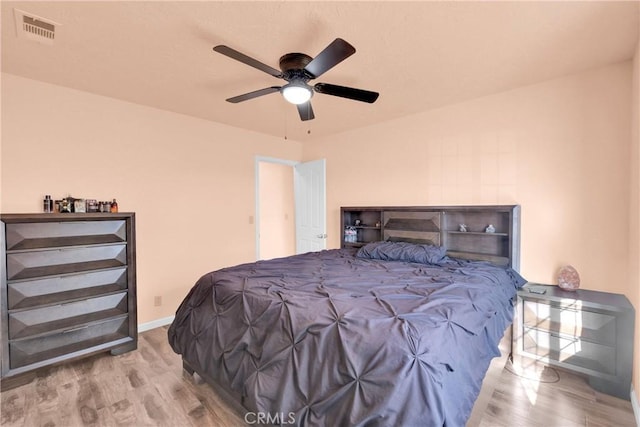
pixel 290 207
pixel 275 209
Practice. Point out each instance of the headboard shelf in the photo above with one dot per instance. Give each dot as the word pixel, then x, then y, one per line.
pixel 411 224
pixel 440 225
pixel 478 233
pixel 498 260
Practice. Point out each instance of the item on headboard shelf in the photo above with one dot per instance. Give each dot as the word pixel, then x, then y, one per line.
pixel 350 235
pixel 490 229
pixel 568 278
pixel 462 228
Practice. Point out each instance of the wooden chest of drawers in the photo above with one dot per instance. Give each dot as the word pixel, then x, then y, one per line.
pixel 68 288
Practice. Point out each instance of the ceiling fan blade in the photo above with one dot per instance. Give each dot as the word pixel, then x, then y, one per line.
pixel 306 111
pixel 337 51
pixel 347 92
pixel 254 94
pixel 234 54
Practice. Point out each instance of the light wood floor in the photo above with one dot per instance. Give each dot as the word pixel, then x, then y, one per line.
pixel 147 387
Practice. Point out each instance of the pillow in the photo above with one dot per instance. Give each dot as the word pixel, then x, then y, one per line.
pixel 402 251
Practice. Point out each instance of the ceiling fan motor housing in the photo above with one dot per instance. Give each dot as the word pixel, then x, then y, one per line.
pixel 294 61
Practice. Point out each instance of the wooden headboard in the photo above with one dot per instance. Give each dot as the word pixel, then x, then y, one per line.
pixel 440 225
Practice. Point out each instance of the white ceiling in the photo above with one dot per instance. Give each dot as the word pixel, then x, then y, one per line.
pixel 418 55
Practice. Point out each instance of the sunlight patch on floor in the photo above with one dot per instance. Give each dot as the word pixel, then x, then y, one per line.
pixel 529 380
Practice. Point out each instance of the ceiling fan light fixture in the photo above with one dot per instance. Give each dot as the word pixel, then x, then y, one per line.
pixel 297 93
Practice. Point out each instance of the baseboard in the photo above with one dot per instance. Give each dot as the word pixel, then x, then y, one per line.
pixel 635 405
pixel 155 324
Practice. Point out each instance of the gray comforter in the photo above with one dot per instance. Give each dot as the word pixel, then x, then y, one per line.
pixel 333 339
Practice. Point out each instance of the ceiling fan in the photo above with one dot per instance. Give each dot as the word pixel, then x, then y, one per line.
pixel 297 69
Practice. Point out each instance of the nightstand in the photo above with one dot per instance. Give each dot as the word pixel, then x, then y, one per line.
pixel 587 332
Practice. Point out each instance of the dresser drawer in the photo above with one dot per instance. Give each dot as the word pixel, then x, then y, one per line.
pixel 570 350
pixel 29 264
pixel 53 290
pixel 52 234
pixel 36 321
pixel 28 351
pixel 571 320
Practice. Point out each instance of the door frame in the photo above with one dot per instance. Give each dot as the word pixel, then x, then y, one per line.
pixel 258 160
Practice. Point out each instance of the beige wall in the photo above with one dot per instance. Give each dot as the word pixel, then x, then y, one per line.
pixel 560 149
pixel 277 211
pixel 191 182
pixel 634 212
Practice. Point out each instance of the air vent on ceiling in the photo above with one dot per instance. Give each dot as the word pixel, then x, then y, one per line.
pixel 36 28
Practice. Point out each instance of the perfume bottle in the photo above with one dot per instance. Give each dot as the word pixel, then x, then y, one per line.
pixel 47 204
pixel 114 206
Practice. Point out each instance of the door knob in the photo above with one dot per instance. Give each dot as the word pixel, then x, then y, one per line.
pixel 321 236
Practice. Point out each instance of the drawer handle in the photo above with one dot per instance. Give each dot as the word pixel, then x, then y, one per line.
pixel 76 329
pixel 72 302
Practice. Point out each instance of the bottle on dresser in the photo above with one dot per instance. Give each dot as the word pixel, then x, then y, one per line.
pixel 47 205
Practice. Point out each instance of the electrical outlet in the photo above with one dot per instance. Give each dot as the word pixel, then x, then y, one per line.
pixel 157 301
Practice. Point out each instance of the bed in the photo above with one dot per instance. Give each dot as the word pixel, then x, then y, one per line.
pixel 389 333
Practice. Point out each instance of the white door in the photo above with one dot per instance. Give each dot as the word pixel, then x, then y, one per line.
pixel 311 209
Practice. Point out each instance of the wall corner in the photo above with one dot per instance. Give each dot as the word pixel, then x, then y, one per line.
pixel 635 405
